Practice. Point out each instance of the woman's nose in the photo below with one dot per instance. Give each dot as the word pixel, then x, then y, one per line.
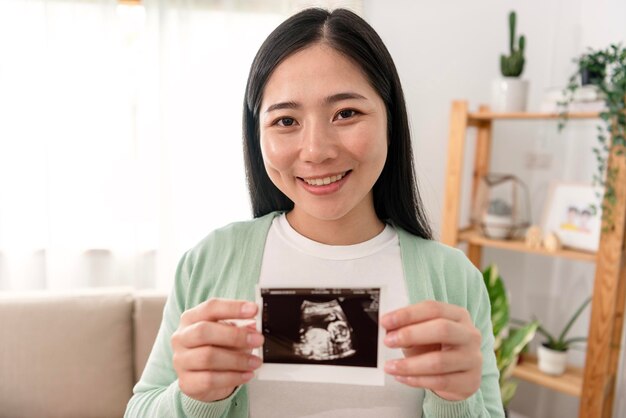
pixel 319 143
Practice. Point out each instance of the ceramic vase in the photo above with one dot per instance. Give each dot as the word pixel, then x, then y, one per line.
pixel 509 94
pixel 497 226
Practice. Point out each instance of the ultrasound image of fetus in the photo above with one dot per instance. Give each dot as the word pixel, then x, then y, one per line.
pixel 325 333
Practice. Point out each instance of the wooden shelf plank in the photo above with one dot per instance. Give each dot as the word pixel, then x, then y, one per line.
pixel 570 383
pixel 486 116
pixel 474 237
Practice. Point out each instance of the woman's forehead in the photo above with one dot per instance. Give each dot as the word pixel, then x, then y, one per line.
pixel 313 74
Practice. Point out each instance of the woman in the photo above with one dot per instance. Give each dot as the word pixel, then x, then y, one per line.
pixel 330 175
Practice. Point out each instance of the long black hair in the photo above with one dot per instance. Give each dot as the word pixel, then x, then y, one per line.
pixel 396 195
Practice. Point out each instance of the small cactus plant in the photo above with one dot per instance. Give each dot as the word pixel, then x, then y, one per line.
pixel 513 65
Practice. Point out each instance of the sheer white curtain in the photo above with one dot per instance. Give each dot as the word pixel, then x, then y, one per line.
pixel 65 142
pixel 120 134
pixel 203 55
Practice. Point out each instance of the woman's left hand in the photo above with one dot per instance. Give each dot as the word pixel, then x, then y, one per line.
pixel 441 349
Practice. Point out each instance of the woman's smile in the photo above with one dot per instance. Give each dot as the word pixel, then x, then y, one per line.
pixel 325 184
pixel 322 180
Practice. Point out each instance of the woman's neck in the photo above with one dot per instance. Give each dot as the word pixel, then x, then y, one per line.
pixel 347 230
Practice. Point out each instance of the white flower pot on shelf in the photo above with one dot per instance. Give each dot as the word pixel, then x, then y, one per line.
pixel 551 361
pixel 497 226
pixel 509 94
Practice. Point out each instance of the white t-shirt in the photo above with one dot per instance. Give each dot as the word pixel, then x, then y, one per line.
pixel 291 258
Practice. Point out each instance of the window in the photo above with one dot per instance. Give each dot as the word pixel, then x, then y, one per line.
pixel 120 140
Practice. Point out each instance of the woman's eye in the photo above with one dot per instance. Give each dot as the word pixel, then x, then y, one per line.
pixel 285 122
pixel 346 113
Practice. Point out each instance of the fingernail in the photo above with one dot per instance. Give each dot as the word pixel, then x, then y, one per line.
pixel 254 362
pixel 401 379
pixel 391 366
pixel 246 376
pixel 391 339
pixel 248 308
pixel 388 321
pixel 254 339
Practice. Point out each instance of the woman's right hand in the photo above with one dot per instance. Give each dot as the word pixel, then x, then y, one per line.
pixel 211 356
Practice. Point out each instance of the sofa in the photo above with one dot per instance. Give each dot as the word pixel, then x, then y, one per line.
pixel 74 354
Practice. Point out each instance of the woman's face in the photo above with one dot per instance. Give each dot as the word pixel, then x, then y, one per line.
pixel 323 134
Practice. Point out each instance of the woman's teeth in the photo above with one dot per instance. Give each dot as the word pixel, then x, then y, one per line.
pixel 324 181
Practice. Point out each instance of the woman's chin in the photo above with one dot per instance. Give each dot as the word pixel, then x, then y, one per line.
pixel 319 214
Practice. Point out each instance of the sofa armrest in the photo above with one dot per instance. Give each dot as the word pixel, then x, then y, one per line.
pixel 147 315
pixel 66 355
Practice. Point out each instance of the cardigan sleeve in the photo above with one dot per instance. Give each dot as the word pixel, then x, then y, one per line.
pixel 157 394
pixel 471 294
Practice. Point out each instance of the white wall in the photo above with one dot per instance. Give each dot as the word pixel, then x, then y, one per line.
pixel 450 50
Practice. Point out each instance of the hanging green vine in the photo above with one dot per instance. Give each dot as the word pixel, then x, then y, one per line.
pixel 606 70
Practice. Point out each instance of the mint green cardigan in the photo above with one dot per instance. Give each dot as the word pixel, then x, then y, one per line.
pixel 227 263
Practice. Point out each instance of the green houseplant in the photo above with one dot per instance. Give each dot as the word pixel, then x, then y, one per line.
pixel 512 65
pixel 509 342
pixel 553 352
pixel 606 70
pixel 509 93
pixel 592 68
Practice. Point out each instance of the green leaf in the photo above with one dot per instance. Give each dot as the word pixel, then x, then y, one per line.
pixel 573 340
pixel 580 309
pixel 513 345
pixel 498 299
pixel 507 390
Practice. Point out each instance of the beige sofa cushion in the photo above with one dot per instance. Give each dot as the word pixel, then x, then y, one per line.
pixel 65 356
pixel 147 319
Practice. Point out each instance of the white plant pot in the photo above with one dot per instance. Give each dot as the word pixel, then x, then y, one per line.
pixel 551 361
pixel 496 226
pixel 509 94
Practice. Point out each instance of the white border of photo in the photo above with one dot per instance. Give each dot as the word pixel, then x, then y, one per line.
pixel 352 375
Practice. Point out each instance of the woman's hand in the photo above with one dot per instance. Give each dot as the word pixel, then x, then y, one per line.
pixel 441 347
pixel 211 356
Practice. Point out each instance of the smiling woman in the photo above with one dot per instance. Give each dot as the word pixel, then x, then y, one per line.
pixel 330 175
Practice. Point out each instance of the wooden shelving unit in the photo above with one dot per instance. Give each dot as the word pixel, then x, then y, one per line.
pixel 474 237
pixel 595 384
pixel 570 383
pixel 485 115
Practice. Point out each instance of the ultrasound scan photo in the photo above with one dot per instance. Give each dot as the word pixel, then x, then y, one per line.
pixel 325 333
pixel 321 326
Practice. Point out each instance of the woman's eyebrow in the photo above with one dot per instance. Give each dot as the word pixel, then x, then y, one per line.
pixel 343 96
pixel 282 105
pixel 328 100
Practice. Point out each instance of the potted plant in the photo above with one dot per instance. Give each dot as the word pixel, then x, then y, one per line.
pixel 498 221
pixel 552 353
pixel 508 94
pixel 592 68
pixel 509 343
pixel 501 207
pixel 606 70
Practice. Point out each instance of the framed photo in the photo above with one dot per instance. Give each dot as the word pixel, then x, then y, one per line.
pixel 321 335
pixel 573 212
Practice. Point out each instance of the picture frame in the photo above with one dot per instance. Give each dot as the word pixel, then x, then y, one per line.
pixel 573 212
